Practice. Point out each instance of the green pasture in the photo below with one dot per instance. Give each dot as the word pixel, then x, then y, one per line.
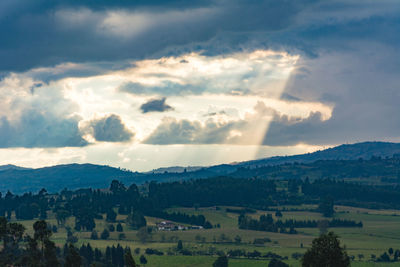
pixel 381 230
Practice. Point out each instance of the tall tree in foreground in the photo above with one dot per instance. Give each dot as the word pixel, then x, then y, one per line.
pixel 11 234
pixel 42 233
pixel 73 259
pixel 222 261
pixel 326 251
pixel 129 261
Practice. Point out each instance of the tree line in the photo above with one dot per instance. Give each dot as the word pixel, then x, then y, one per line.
pixel 86 205
pixel 268 224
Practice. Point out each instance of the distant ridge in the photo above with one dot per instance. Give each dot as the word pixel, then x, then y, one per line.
pixel 74 176
pixel 56 178
pixel 10 166
pixel 176 169
pixel 364 150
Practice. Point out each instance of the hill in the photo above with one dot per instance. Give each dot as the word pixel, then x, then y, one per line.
pixel 73 176
pixel 364 150
pixel 55 178
pixel 10 166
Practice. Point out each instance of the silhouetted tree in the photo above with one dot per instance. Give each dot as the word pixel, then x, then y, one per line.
pixel 129 261
pixel 277 263
pixel 119 228
pixel 326 207
pixel 180 245
pixel 221 261
pixel 143 259
pixel 73 258
pixel 326 251
pixel 105 234
pixel 136 220
pixel 111 215
pixel 94 235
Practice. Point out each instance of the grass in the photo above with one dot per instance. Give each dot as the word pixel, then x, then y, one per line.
pixel 380 232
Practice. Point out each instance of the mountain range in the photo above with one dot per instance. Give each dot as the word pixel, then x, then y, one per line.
pixel 73 176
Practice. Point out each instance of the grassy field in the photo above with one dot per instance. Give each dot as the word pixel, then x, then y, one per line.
pixel 380 232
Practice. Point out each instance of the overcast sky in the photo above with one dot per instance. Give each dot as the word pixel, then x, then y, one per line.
pixel 148 84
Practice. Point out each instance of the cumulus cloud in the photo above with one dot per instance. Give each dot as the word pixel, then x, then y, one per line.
pixel 36 129
pixel 250 130
pixel 33 115
pixel 172 131
pixel 262 72
pixel 108 129
pixel 155 105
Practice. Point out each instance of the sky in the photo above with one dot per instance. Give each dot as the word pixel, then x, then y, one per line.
pixel 148 84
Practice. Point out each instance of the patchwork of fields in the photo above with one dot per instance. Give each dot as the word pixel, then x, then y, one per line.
pixel 379 233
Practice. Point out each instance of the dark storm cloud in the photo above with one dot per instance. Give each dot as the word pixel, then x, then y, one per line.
pixel 46 33
pixel 68 70
pixel 36 129
pixel 361 87
pixel 109 129
pixel 155 105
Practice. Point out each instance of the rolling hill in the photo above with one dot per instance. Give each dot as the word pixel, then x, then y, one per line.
pixel 56 178
pixel 73 176
pixel 364 150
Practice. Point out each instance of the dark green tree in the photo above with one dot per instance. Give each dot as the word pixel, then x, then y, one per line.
pixel 278 213
pixel 41 234
pixel 89 253
pixel 396 255
pixel 238 239
pixel 111 215
pixel 33 256
pixel 179 247
pixel 384 257
pixel 119 228
pixel 105 234
pixel 277 263
pixel 61 216
pixel 143 259
pixel 97 254
pixel 129 261
pixel 221 261
pixel 117 187
pixel 326 207
pixel 94 235
pixel 43 213
pixel 326 251
pixel 50 254
pixel 73 258
pixel 12 234
pixel 136 220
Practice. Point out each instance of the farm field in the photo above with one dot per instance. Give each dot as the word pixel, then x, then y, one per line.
pixel 380 232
